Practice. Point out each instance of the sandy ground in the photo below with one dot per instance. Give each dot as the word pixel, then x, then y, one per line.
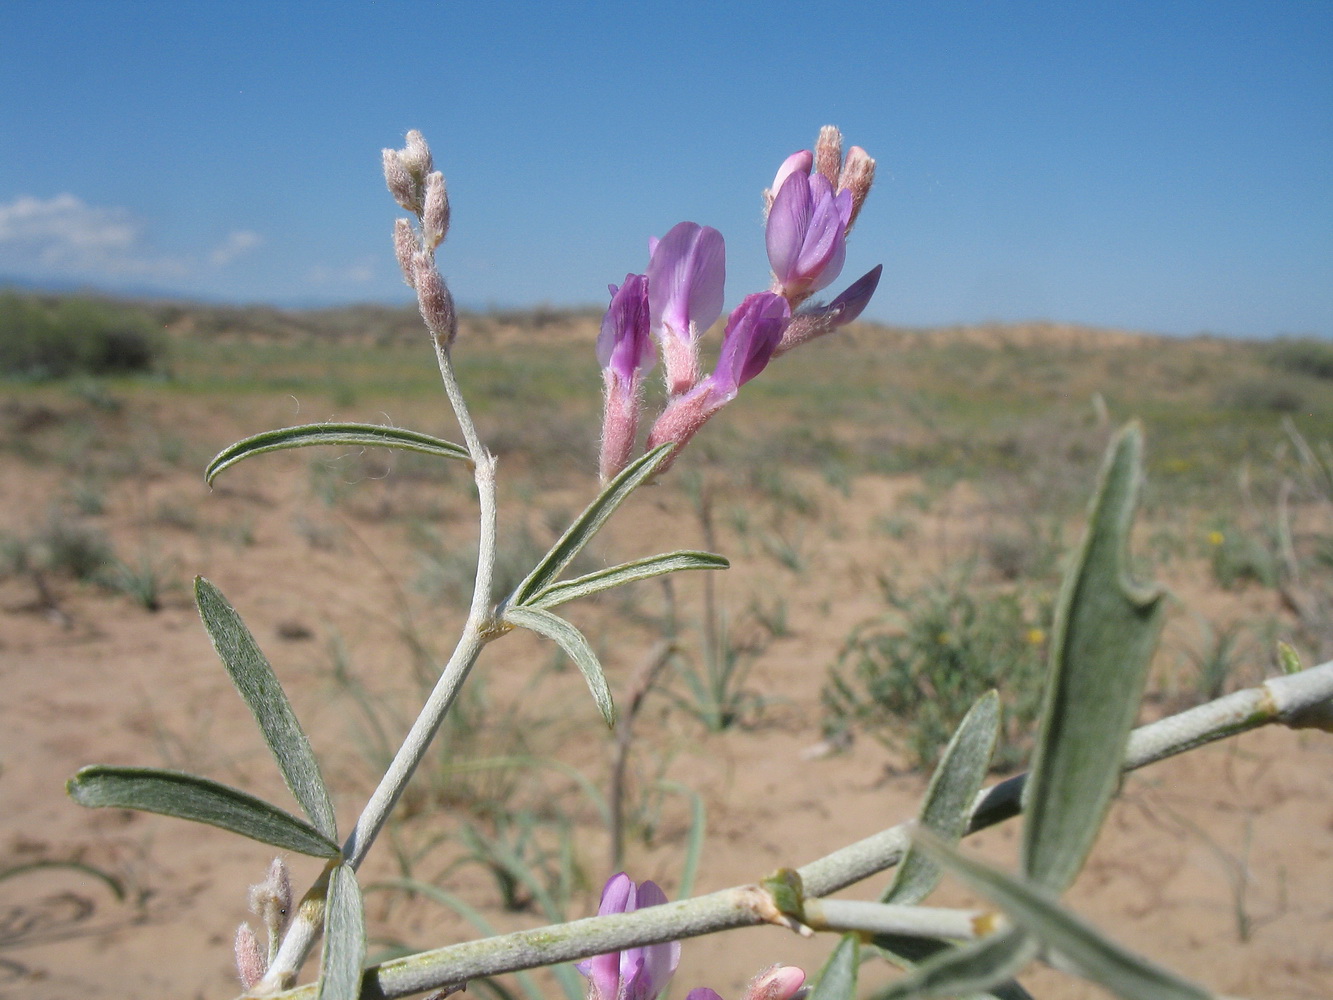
pixel 1219 863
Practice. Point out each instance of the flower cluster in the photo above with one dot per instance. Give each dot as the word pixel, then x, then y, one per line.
pixel 815 199
pixel 643 973
pixel 420 189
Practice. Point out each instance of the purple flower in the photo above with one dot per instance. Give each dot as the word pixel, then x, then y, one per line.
pixel 636 973
pixel 624 345
pixel 807 235
pixel 686 272
pixel 753 332
pixel 625 351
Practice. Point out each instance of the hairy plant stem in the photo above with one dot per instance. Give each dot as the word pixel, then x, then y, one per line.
pixel 477 631
pixel 1297 701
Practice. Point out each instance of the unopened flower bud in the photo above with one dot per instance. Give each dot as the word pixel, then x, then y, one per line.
pixel 250 964
pixel 858 174
pixel 404 246
pixel 828 153
pixel 416 156
pixel 271 901
pixel 399 181
pixel 434 300
pixel 777 982
pixel 435 213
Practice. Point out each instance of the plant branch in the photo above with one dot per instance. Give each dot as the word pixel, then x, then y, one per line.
pixel 477 631
pixel 1298 701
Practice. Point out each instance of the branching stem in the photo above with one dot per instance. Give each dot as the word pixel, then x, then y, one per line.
pixel 477 631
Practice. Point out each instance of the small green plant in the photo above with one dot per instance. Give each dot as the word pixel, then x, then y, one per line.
pixel 906 678
pixel 1237 557
pixel 146 581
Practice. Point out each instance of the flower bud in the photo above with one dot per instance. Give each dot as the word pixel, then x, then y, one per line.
pixel 399 181
pixel 858 174
pixel 404 246
pixel 434 300
pixel 250 964
pixel 777 982
pixel 435 214
pixel 828 153
pixel 416 156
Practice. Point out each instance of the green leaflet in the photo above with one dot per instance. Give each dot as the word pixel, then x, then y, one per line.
pixel 571 640
pixel 1102 640
pixel 948 802
pixel 1080 947
pixel 587 524
pixel 189 796
pixel 337 434
pixel 982 967
pixel 837 980
pixel 255 680
pixel 344 938
pixel 628 572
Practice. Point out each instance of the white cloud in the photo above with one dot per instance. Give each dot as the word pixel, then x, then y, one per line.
pixel 235 245
pixel 65 236
pixel 64 233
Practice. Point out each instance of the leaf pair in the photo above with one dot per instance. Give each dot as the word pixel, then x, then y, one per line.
pixel 191 797
pixel 527 606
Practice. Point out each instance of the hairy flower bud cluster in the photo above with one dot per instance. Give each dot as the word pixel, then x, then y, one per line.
pixel 815 199
pixel 271 902
pixel 420 189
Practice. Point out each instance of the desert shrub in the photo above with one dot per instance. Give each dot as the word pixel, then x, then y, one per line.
pixel 1238 557
pixel 74 336
pixel 1264 395
pixel 1303 355
pixel 906 678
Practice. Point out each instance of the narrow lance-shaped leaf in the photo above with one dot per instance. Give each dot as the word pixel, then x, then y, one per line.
pixel 837 980
pixel 587 524
pixel 335 434
pixel 188 796
pixel 1102 641
pixel 945 811
pixel 985 966
pixel 628 572
pixel 948 803
pixel 344 951
pixel 255 680
pixel 1080 947
pixel 571 640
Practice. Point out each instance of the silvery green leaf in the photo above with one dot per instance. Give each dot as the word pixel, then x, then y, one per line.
pixel 1081 948
pixel 344 951
pixel 571 640
pixel 335 434
pixel 948 802
pixel 1102 641
pixel 587 524
pixel 629 572
pixel 837 980
pixel 982 967
pixel 909 952
pixel 258 684
pixel 189 796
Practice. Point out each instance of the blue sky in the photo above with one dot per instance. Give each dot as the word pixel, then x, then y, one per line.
pixel 1158 166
